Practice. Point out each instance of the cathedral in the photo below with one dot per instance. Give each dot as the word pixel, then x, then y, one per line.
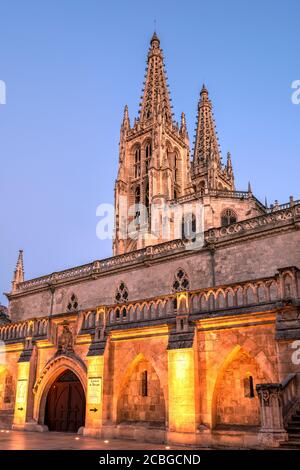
pixel 189 335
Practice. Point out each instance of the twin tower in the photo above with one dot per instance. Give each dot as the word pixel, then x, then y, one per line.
pixel 155 162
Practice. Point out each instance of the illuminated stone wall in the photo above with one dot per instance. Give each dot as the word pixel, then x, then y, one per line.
pixel 221 344
pixel 190 389
pixel 132 406
pixel 125 351
pixel 235 262
pixel 233 407
pixel 8 377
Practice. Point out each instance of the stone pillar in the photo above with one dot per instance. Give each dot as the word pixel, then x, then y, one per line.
pixel 25 380
pixel 182 406
pixel 94 399
pixel 20 412
pixel 272 429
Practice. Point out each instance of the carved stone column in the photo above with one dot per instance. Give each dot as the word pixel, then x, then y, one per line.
pixel 272 430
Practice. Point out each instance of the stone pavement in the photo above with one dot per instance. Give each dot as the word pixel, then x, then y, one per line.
pixel 16 440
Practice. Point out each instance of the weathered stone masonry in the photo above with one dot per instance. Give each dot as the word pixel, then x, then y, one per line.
pixel 166 344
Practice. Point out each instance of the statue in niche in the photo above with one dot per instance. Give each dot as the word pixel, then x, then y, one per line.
pixel 65 342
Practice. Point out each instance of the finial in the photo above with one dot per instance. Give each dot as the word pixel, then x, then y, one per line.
pixel 204 90
pixel 155 38
pixel 249 188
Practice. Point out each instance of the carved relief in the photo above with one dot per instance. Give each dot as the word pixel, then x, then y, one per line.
pixel 65 341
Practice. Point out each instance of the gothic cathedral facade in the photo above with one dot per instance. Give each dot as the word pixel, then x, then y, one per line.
pixel 168 340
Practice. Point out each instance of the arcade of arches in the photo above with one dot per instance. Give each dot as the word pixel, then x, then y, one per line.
pixel 141 389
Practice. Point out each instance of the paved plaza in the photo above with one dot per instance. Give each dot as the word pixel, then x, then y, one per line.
pixel 16 440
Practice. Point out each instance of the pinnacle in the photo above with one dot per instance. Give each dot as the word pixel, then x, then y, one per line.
pixel 126 121
pixel 19 271
pixel 125 111
pixel 20 259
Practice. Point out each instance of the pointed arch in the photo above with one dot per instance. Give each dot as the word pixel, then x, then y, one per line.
pixel 262 366
pixel 132 404
pixel 52 370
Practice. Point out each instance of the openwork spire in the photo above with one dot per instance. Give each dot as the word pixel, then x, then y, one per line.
pixel 208 171
pixel 156 99
pixel 206 142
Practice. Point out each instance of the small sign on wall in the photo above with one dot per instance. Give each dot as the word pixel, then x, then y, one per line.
pixel 21 391
pixel 94 390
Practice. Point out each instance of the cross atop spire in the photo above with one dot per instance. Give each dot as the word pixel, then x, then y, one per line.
pixel 156 99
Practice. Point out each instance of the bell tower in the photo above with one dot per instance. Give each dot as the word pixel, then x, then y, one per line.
pixel 154 160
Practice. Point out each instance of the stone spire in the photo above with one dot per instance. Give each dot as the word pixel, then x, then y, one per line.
pixel 19 271
pixel 208 170
pixel 206 142
pixel 156 98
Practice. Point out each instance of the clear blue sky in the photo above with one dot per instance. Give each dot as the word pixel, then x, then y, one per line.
pixel 70 66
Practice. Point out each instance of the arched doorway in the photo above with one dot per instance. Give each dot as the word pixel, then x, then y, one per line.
pixel 65 405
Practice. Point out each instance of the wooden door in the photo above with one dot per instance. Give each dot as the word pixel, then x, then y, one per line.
pixel 65 407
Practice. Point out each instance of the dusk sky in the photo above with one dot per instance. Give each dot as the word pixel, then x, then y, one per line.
pixel 70 66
